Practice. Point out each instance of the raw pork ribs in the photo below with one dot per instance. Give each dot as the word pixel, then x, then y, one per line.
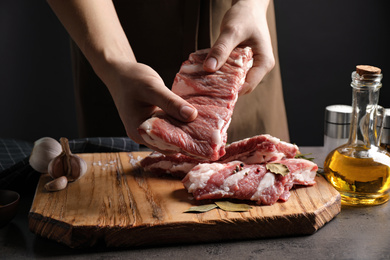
pixel 213 94
pixel 241 173
pixel 248 182
pixel 254 150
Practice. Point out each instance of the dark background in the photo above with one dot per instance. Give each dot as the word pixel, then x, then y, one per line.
pixel 320 43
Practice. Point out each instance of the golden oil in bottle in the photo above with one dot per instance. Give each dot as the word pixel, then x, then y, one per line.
pixel 360 169
pixel 360 181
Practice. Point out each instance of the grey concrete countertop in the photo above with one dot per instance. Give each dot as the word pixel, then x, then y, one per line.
pixel 356 233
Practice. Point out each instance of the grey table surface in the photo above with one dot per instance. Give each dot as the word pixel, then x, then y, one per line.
pixel 355 233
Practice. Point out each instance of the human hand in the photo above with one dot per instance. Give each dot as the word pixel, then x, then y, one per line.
pixel 244 24
pixel 138 92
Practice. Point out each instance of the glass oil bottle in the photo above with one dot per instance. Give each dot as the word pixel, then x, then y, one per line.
pixel 360 169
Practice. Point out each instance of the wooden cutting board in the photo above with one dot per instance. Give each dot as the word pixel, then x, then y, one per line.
pixel 118 203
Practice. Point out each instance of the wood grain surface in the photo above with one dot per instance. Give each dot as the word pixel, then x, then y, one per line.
pixel 118 203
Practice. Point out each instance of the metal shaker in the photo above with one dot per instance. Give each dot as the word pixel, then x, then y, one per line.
pixel 337 125
pixel 385 138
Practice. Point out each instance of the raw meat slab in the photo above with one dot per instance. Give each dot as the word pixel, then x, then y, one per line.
pixel 254 150
pixel 237 180
pixel 214 95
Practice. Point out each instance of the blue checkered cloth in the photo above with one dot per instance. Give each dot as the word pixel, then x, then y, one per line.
pixel 17 174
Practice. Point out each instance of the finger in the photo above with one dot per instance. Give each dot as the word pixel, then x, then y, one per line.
pixel 175 106
pixel 253 78
pixel 261 67
pixel 220 51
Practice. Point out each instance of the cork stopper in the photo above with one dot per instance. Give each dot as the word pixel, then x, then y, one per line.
pixel 367 69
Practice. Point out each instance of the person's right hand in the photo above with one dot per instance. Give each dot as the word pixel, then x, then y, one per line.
pixel 138 91
pixel 244 24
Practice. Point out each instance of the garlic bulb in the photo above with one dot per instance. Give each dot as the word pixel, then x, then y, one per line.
pixel 67 164
pixel 44 150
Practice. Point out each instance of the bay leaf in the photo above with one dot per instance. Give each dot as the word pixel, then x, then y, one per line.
pixel 201 208
pixel 230 206
pixel 277 168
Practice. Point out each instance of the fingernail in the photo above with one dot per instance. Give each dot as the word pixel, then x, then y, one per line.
pixel 211 63
pixel 186 112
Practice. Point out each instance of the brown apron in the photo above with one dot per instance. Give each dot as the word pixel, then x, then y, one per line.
pixel 162 34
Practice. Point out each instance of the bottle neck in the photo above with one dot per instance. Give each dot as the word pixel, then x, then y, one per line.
pixel 365 98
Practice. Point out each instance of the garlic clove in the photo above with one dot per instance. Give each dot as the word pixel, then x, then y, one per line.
pixel 56 168
pixel 78 168
pixel 57 184
pixel 44 150
pixel 67 164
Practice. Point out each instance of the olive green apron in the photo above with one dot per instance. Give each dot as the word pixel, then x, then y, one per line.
pixel 162 34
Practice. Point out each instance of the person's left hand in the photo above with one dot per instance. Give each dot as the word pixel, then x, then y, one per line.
pixel 244 24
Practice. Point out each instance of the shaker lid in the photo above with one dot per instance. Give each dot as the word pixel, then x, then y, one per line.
pixel 338 114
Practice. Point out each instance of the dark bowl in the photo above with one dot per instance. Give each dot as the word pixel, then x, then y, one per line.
pixel 9 201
